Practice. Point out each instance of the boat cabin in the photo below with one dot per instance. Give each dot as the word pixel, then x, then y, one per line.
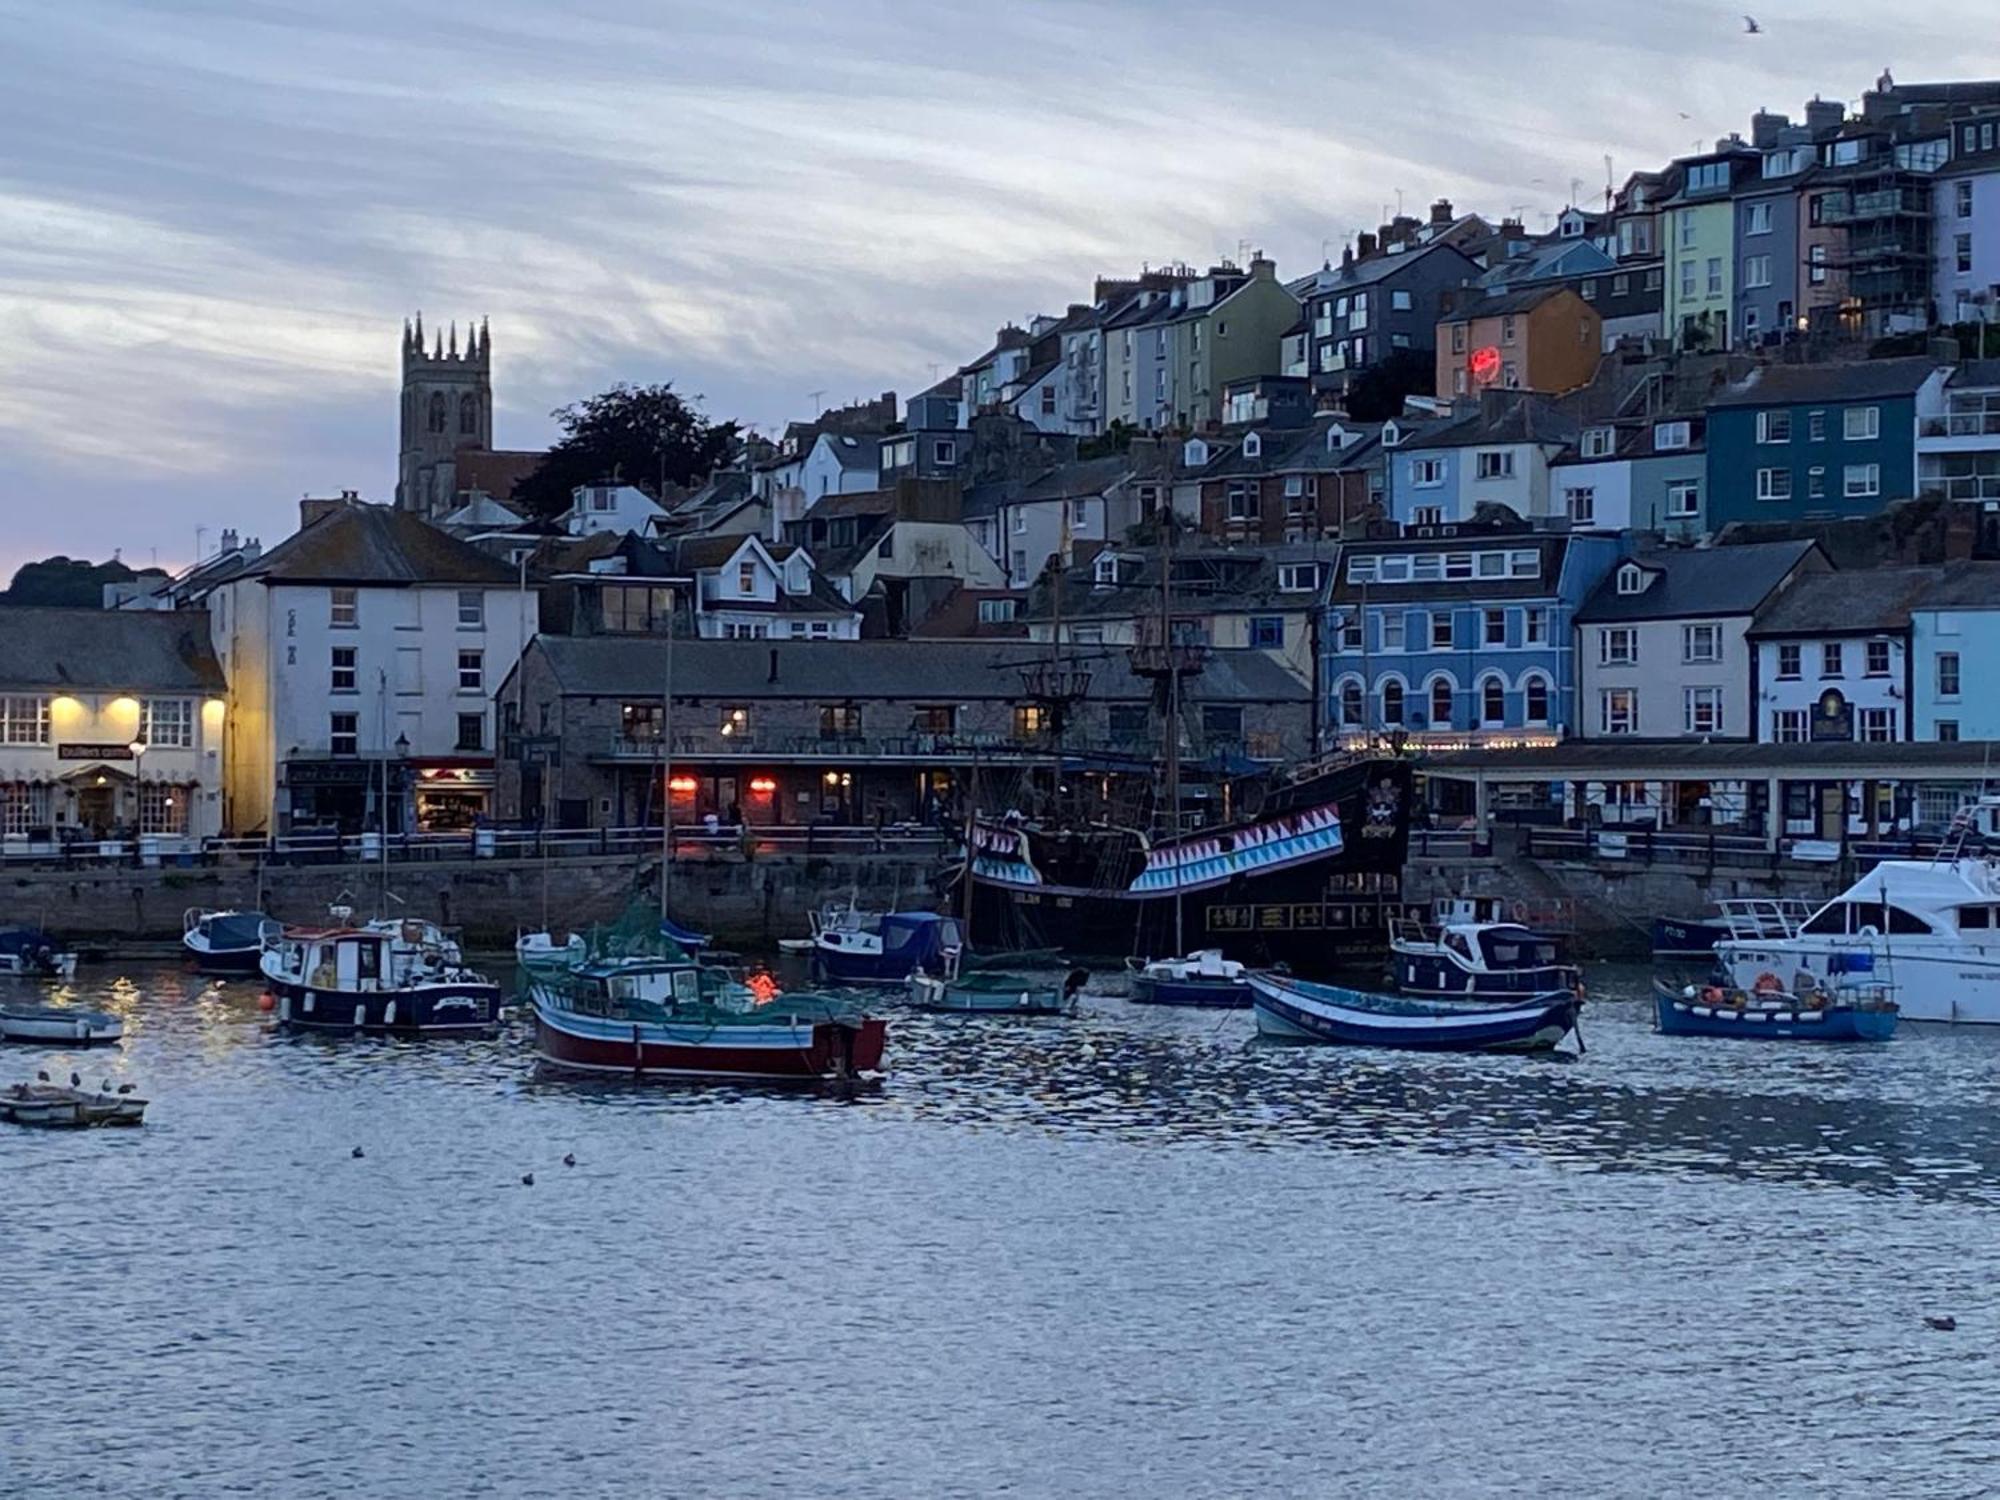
pixel 1495 948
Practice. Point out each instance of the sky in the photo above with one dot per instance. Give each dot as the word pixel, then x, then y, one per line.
pixel 215 216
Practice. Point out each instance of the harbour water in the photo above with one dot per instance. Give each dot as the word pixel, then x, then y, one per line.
pixel 1129 1254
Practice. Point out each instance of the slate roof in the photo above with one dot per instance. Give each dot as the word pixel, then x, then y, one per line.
pixel 1365 273
pixel 852 452
pixel 1854 380
pixel 496 471
pixel 1545 585
pixel 1704 582
pixel 108 650
pixel 957 617
pixel 1077 479
pixel 1527 420
pixel 1859 602
pixel 1976 373
pixel 1962 585
pixel 1246 581
pixel 1504 304
pixel 942 671
pixel 376 545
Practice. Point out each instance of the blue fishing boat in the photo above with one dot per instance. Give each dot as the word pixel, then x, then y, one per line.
pixel 1293 1010
pixel 885 948
pixel 1773 1016
pixel 1204 979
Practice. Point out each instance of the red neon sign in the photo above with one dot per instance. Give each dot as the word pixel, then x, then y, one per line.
pixel 1485 365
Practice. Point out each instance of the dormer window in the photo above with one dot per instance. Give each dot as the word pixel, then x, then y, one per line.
pixel 1336 438
pixel 1632 579
pixel 1253 446
pixel 1195 453
pixel 1391 434
pixel 1105 570
pixel 1598 442
pixel 1668 436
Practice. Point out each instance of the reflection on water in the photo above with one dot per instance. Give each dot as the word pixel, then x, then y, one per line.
pixel 1129 1253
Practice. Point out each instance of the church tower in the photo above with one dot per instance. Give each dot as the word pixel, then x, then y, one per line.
pixel 447 406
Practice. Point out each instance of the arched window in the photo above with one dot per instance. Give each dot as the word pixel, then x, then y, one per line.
pixel 1350 703
pixel 468 415
pixel 1537 693
pixel 437 411
pixel 1392 703
pixel 1441 703
pixel 1493 701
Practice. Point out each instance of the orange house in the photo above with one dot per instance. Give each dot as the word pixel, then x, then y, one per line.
pixel 1544 338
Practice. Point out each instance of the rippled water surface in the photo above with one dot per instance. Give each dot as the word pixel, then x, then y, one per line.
pixel 1129 1254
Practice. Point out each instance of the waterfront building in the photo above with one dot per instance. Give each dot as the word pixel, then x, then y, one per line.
pixel 1538 338
pixel 1806 442
pixel 1954 639
pixel 1379 301
pixel 1832 658
pixel 1500 455
pixel 1459 640
pixel 367 639
pixel 1965 207
pixel 1958 448
pixel 1699 227
pixel 1292 483
pixel 1662 652
pixel 111 722
pixel 845 733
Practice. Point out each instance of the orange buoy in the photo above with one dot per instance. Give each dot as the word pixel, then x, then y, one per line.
pixel 267 1001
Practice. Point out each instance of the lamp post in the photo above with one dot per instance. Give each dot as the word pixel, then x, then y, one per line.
pixel 138 749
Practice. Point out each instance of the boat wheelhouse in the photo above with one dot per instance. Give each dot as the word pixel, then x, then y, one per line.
pixel 404 978
pixel 662 1018
pixel 1472 953
pixel 1928 931
pixel 885 948
pixel 223 942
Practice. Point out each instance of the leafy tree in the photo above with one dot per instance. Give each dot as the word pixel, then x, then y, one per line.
pixel 70 581
pixel 1376 393
pixel 645 436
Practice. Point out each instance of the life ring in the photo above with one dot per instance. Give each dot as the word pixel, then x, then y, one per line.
pixel 1711 995
pixel 1769 984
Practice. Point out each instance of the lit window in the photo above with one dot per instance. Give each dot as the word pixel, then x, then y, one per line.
pixel 167 723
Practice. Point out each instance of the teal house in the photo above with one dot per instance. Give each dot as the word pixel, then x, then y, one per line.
pixel 1815 442
pixel 1954 639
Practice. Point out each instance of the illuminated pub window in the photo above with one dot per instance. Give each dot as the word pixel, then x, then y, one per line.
pixel 162 809
pixel 838 719
pixel 1029 719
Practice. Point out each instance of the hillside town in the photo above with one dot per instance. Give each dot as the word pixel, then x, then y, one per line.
pixel 1680 512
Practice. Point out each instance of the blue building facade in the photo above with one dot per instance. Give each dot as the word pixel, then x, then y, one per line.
pixel 1459 640
pixel 1792 442
pixel 1954 640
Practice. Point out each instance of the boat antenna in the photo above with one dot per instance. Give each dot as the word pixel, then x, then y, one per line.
pixel 667 759
pixel 1173 713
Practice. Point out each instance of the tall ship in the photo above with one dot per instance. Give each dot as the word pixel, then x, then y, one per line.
pixel 1312 878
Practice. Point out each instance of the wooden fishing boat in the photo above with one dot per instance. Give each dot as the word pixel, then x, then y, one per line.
pixel 59 1025
pixel 1773 1016
pixel 52 1106
pixel 1294 1010
pixel 995 992
pixel 1204 978
pixel 666 1018
pixel 402 978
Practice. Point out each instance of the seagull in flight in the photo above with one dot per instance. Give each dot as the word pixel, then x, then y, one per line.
pixel 1752 27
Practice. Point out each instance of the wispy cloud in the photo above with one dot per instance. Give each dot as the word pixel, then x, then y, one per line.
pixel 214 215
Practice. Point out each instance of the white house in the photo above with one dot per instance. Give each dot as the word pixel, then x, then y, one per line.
pixel 1833 657
pixel 366 645
pixel 616 508
pixel 110 720
pixel 1444 474
pixel 748 589
pixel 1662 644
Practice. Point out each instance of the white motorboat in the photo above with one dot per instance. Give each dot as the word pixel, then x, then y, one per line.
pixel 1927 931
pixel 401 977
pixel 538 948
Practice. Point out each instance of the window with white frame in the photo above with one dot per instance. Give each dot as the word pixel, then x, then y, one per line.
pixel 1535 700
pixel 1774 484
pixel 1684 499
pixel 1298 578
pixel 1701 643
pixel 1580 500
pixel 1617 646
pixel 1618 711
pixel 1442 694
pixel 1493 625
pixel 471 609
pixel 1353 631
pixel 1962 194
pixel 1757 218
pixel 162 808
pixel 345 672
pixel 1947 674
pixel 1791 661
pixel 472 671
pixel 1427 515
pixel 1861 424
pixel 1878 725
pixel 1535 625
pixel 1394 630
pixel 1774 427
pixel 167 723
pixel 1832 659
pixel 1816 427
pixel 24 721
pixel 1788 726
pixel 1701 710
pixel 1878 658
pixel 1492 701
pixel 1670 436
pixel 1020 520
pixel 24 806
pixel 1495 463
pixel 1242 500
pixel 1400 302
pixel 1756 270
pixel 1443 636
pixel 1599 441
pixel 1715 275
pixel 1816 482
pixel 1961 254
pixel 343 734
pixel 1859 481
pixel 1426 473
pixel 343 608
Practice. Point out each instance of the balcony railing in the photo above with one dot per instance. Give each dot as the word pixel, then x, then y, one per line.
pixel 1964 424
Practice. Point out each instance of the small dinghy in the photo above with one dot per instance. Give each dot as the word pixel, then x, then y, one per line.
pixel 537 948
pixel 1203 978
pixel 64 1025
pixel 997 993
pixel 31 953
pixel 1294 1011
pixel 53 1107
pixel 1772 1016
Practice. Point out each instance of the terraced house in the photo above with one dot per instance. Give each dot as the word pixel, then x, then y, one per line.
pixel 1459 641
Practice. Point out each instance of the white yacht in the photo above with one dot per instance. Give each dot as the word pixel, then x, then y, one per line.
pixel 1928 932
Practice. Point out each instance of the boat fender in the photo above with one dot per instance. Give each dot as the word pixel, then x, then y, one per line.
pixel 1711 995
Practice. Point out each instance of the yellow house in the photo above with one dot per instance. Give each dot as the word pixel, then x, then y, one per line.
pixel 1699 233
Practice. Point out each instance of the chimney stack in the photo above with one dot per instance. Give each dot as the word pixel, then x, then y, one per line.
pixel 1441 213
pixel 1364 245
